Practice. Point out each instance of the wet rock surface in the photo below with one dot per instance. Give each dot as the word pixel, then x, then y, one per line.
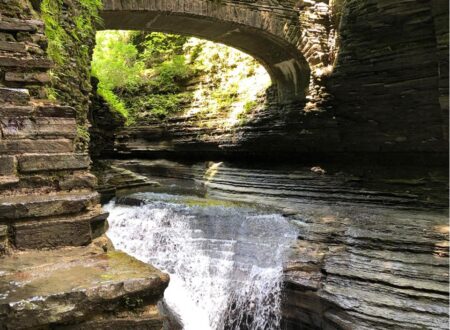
pixel 118 181
pixel 291 184
pixel 79 288
pixel 369 268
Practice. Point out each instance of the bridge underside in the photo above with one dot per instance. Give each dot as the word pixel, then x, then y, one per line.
pixel 285 64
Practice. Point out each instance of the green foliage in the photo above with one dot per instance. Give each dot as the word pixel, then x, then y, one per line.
pixel 113 101
pixel 52 95
pixel 171 74
pixel 249 106
pixel 160 105
pixel 225 97
pixel 58 36
pixel 51 15
pixel 115 61
pixel 82 135
pixel 144 76
pixel 140 74
pixel 157 47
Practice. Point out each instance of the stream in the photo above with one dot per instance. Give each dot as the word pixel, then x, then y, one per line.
pixel 225 260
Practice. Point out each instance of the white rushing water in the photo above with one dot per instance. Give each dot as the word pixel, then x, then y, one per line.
pixel 224 261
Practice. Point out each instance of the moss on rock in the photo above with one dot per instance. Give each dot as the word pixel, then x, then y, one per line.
pixel 70 29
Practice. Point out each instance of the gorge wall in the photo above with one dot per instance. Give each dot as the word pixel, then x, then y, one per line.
pixel 390 75
pixel 384 95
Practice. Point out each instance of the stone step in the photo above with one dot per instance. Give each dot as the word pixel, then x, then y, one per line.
pixel 3 239
pixel 55 110
pixel 38 205
pixel 22 128
pixel 19 25
pixel 16 47
pixel 8 165
pixel 27 63
pixel 42 289
pixel 60 231
pixel 8 180
pixel 14 95
pixel 52 162
pixel 63 180
pixel 36 110
pixel 147 319
pixel 21 146
pixel 78 180
pixel 12 110
pixel 27 77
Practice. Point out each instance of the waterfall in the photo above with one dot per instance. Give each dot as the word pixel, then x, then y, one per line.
pixel 225 261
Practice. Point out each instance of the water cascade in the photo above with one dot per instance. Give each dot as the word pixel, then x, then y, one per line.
pixel 225 260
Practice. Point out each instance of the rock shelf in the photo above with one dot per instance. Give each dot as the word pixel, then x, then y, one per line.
pixel 65 287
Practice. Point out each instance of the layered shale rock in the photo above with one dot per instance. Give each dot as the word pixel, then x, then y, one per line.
pixel 274 128
pixel 368 268
pixel 116 181
pixel 368 256
pixel 388 78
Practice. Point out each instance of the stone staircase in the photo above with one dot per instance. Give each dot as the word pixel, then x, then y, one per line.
pixel 47 196
pixel 48 200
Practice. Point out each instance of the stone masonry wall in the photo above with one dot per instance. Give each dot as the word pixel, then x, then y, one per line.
pixel 47 196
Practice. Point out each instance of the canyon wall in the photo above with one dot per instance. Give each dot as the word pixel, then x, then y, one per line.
pixel 391 75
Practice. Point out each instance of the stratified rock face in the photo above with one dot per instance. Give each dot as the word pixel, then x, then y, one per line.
pixel 390 75
pixel 47 200
pixel 273 133
pixel 368 268
pixel 79 288
pixel 47 196
pixel 103 122
pixel 372 251
pixel 116 181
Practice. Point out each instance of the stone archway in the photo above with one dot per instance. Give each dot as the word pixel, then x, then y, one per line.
pixel 268 34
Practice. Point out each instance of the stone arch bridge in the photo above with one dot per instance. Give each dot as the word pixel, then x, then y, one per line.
pixel 270 32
